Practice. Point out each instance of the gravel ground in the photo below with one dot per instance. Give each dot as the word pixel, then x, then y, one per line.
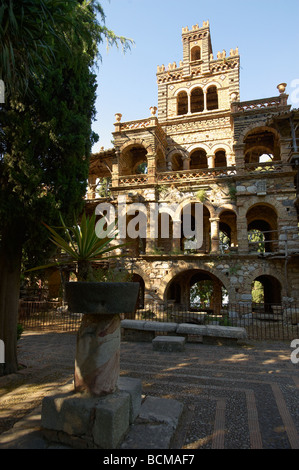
pixel 241 397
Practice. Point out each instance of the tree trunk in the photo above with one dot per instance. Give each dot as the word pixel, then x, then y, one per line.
pixel 10 273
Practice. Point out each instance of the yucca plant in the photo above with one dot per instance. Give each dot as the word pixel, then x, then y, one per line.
pixel 83 244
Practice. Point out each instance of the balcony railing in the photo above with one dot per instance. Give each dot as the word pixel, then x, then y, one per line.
pixel 189 175
pixel 258 104
pixel 266 167
pixel 132 180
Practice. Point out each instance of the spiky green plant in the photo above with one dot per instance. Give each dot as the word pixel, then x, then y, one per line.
pixel 83 244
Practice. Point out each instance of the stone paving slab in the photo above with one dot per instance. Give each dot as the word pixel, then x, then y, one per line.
pixel 241 397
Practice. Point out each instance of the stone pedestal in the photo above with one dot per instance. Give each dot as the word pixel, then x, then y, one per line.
pixel 98 412
pixel 82 421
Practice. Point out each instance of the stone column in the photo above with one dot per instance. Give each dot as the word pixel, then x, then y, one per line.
pixel 211 161
pixel 186 162
pixel 205 101
pixel 151 224
pixel 217 297
pixel 230 160
pixel 115 170
pixel 214 235
pixel 91 190
pixel 176 235
pixel 151 169
pixel 97 354
pixel 240 158
pixel 242 233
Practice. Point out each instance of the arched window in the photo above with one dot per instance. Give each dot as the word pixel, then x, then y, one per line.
pixel 177 162
pixel 133 160
pixel 212 98
pixel 262 229
pixel 266 290
pixel 261 146
pixel 197 100
pixel 195 53
pixel 198 160
pixel 220 159
pixel 182 103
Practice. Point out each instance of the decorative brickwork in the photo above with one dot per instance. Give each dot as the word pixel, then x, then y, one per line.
pixel 239 159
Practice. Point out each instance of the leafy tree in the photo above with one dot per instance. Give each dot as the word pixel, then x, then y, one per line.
pixel 257 291
pixel 201 293
pixel 45 134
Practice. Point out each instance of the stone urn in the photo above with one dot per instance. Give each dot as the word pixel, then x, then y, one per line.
pixel 118 117
pixel 153 110
pixel 282 87
pixel 97 361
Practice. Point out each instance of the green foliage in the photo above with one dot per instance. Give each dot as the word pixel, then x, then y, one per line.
pixel 83 244
pixel 46 135
pixel 104 188
pixel 232 191
pixel 201 195
pixel 257 292
pixel 161 188
pixel 49 50
pixel 33 32
pixel 142 168
pixel 224 242
pixel 256 239
pixel 201 293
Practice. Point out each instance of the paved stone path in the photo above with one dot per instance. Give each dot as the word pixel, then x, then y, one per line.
pixel 242 397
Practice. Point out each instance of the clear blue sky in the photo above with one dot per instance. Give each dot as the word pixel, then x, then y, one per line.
pixel 266 32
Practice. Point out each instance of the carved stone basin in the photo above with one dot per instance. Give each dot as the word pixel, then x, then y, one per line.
pixel 102 297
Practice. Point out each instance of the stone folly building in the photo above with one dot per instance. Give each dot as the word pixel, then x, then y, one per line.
pixel 239 159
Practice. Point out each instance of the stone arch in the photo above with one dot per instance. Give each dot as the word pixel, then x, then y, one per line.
pixel 248 205
pixel 221 146
pixel 175 158
pixel 220 159
pixel 189 270
pixel 271 273
pixel 161 162
pixel 259 141
pixel 132 142
pixel 262 226
pixel 179 90
pixel 212 83
pixel 198 159
pixel 200 146
pixel 142 273
pixel 188 200
pixel 265 270
pixel 262 126
pixel 225 207
pixel 132 154
pixel 228 233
